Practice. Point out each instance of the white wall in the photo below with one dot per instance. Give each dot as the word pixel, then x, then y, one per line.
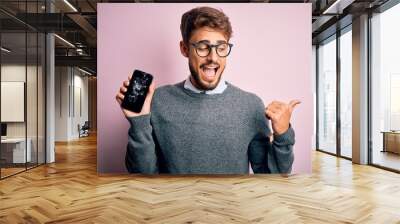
pixel 62 81
pixel 16 72
pixel 70 83
pixel 33 126
pixel 80 84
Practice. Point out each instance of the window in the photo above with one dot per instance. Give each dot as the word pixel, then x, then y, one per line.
pixel 327 96
pixel 385 89
pixel 346 93
pixel 22 101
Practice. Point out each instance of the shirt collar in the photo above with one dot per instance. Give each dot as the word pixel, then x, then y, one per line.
pixel 219 89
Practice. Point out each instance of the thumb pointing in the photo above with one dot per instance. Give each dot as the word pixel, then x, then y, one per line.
pixel 294 103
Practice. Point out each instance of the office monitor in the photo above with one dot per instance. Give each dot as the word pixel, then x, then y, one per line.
pixel 3 129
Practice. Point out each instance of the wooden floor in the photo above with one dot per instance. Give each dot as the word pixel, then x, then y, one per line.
pixel 70 191
pixel 8 171
pixel 388 159
pixel 5 172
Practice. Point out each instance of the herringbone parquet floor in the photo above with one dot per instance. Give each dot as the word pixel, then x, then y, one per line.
pixel 70 191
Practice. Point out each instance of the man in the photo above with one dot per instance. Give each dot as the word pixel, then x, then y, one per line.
pixel 205 125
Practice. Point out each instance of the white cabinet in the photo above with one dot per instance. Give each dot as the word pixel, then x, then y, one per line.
pixel 18 149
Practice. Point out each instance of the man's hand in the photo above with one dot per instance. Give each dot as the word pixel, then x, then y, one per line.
pixel 280 114
pixel 147 102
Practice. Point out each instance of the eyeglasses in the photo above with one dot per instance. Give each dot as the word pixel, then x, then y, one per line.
pixel 203 49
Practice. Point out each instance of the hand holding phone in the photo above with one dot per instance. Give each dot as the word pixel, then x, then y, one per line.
pixel 136 93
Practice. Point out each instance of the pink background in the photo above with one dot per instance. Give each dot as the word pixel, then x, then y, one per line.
pixel 271 57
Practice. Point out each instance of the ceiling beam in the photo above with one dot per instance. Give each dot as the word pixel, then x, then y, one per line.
pixel 84 61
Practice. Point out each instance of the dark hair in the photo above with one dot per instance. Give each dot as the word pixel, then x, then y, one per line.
pixel 201 17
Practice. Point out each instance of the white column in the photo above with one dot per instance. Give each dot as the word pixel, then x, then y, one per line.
pixel 360 90
pixel 50 92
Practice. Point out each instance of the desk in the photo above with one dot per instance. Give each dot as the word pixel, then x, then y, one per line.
pixel 16 147
pixel 391 141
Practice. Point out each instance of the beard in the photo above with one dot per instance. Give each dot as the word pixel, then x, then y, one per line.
pixel 198 82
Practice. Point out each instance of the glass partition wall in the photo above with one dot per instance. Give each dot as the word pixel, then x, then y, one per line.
pixel 22 88
pixel 334 94
pixel 345 62
pixel 326 73
pixel 334 83
pixel 385 89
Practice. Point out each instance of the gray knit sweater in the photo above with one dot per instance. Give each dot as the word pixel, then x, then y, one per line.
pixel 195 133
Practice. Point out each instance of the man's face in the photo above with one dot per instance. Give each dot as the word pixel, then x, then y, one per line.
pixel 206 71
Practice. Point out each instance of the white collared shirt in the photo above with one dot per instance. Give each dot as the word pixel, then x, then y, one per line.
pixel 219 89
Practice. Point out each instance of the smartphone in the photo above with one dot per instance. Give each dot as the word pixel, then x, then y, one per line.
pixel 137 91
